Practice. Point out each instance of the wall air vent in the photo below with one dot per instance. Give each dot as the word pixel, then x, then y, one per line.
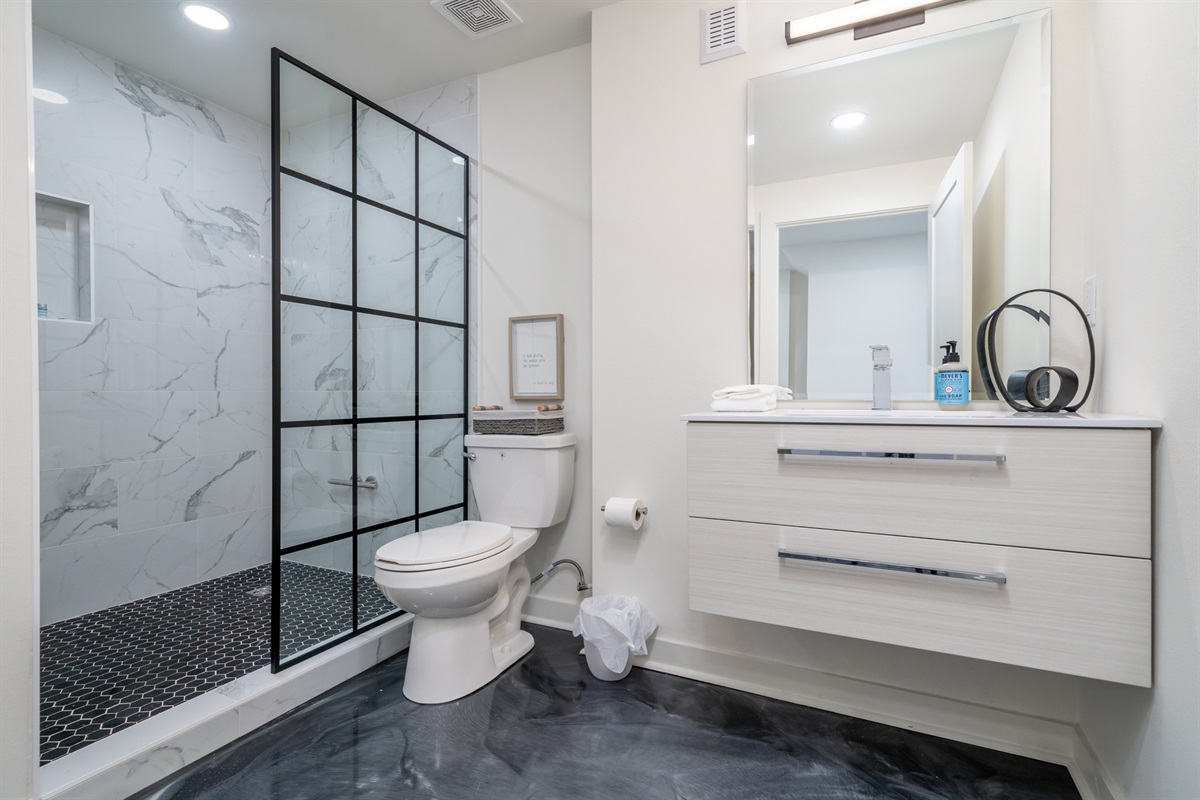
pixel 722 30
pixel 477 18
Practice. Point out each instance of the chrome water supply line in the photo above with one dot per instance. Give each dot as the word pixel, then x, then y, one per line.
pixel 582 586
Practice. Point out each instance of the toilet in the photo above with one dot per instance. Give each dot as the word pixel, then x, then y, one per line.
pixel 466 582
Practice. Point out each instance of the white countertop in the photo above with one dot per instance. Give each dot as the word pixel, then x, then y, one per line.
pixel 864 416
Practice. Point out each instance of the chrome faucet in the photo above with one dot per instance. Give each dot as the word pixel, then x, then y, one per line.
pixel 881 372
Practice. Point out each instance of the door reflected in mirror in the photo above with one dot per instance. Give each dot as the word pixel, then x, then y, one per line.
pixel 907 228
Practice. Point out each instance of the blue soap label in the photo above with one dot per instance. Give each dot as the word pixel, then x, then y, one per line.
pixel 952 387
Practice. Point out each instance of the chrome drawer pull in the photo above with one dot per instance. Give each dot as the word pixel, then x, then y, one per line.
pixel 370 482
pixel 997 578
pixel 997 458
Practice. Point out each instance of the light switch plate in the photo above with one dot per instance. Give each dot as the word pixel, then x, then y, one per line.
pixel 1089 301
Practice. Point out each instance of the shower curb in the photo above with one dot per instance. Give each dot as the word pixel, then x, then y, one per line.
pixel 136 757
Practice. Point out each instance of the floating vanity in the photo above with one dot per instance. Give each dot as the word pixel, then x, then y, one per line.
pixel 1016 538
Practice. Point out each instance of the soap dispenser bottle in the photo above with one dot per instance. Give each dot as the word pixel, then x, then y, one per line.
pixel 951 381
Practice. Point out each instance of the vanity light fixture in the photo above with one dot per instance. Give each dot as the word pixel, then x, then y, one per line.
pixel 851 119
pixel 865 17
pixel 49 96
pixel 205 15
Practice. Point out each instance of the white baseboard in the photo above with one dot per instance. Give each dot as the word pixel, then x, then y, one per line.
pixel 1055 741
pixel 132 759
pixel 550 612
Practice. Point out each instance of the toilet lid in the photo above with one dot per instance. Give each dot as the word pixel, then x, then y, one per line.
pixel 450 545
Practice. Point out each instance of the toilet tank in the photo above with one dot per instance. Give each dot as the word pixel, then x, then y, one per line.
pixel 522 481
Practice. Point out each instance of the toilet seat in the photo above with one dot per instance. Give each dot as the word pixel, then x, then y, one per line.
pixel 447 546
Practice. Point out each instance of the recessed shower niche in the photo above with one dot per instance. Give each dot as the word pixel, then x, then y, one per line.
pixel 64 258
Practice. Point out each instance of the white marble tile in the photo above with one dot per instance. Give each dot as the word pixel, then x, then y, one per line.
pixel 227 175
pixel 442 191
pixel 441 464
pixel 134 284
pixel 461 133
pixel 240 366
pixel 315 242
pixel 158 100
pixel 431 106
pixel 369 544
pixel 299 525
pixel 78 503
pixel 158 357
pixel 473 288
pixel 315 362
pixel 441 372
pixel 386 368
pixel 76 356
pixel 442 272
pixel 168 491
pixel 444 518
pixel 233 297
pixel 78 74
pixel 386 160
pixel 90 428
pixel 386 260
pixel 388 452
pixel 232 542
pixel 315 127
pixel 89 575
pixel 118 140
pixel 232 421
pixel 216 234
pixel 319 556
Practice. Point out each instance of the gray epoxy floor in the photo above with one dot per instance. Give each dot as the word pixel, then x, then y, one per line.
pixel 547 729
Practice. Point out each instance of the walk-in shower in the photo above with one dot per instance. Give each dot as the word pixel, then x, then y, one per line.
pixel 232 333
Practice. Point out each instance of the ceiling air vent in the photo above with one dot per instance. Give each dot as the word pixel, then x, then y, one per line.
pixel 477 18
pixel 722 30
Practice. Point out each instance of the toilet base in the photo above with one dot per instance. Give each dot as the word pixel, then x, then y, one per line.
pixel 449 658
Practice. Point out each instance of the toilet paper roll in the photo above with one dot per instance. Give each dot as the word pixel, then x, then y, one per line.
pixel 624 512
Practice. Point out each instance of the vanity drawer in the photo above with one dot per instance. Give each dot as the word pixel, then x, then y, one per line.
pixel 1074 613
pixel 1078 490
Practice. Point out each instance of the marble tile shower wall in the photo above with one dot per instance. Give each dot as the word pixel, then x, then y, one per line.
pixel 155 418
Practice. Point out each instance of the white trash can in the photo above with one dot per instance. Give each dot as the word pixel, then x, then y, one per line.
pixel 614 629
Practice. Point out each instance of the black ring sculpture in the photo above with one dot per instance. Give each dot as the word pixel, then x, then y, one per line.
pixel 1025 381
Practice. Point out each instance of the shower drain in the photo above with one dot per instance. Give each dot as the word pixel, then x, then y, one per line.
pixel 262 591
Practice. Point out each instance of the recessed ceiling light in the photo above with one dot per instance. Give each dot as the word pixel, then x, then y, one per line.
pixel 49 96
pixel 850 120
pixel 204 15
pixel 750 140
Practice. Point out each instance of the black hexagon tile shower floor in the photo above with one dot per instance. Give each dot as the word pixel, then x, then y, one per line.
pixel 110 669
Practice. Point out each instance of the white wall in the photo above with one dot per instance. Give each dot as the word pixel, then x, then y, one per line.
pixel 535 242
pixel 18 414
pixel 1144 180
pixel 864 292
pixel 668 218
pixel 1011 151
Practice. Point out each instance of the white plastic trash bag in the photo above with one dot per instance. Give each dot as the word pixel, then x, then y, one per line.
pixel 615 627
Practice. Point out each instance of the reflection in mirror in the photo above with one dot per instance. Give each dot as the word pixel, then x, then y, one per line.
pixel 907 228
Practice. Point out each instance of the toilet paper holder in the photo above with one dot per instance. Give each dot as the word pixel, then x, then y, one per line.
pixel 642 509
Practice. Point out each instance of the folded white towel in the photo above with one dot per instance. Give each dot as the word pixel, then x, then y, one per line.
pixel 753 390
pixel 756 403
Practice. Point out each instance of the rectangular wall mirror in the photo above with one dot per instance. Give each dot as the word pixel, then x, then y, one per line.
pixel 906 228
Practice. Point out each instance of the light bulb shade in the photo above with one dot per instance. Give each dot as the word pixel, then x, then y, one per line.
pixel 855 16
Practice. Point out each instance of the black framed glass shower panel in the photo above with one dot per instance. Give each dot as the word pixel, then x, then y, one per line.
pixel 369 256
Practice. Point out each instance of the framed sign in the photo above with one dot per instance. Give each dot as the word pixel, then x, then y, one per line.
pixel 535 357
